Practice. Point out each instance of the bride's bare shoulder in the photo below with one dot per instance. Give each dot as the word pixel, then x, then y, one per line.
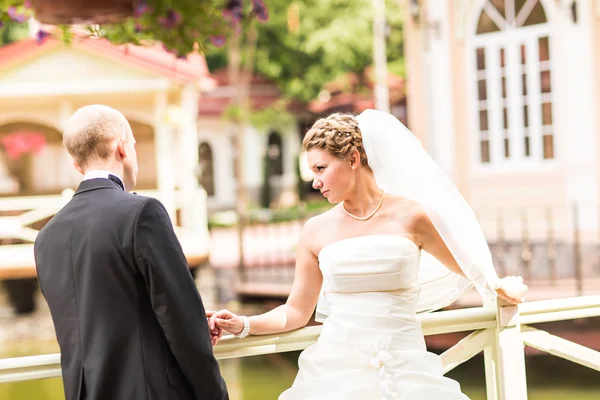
pixel 317 222
pixel 315 229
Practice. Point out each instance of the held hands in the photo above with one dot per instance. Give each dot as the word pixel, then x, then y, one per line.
pixel 512 289
pixel 215 332
pixel 223 320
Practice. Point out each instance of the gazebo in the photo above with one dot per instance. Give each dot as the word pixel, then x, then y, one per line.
pixel 41 85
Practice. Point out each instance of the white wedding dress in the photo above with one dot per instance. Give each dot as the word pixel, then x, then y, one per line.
pixel 371 346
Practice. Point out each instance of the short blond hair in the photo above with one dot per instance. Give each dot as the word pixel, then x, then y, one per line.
pixel 90 132
pixel 338 134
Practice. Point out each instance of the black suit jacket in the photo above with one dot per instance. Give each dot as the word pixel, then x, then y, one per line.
pixel 129 320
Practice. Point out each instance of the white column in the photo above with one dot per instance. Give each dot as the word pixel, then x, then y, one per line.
pixel 193 211
pixel 165 173
pixel 575 136
pixel 65 110
pixel 223 156
pixel 255 145
pixel 439 87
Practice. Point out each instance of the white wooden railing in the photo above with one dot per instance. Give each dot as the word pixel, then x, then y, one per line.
pixel 500 331
pixel 16 261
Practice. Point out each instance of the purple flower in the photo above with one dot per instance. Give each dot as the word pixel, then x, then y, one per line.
pixel 172 19
pixel 260 10
pixel 15 16
pixel 41 36
pixel 138 28
pixel 1 24
pixel 141 8
pixel 234 11
pixel 218 41
pixel 27 3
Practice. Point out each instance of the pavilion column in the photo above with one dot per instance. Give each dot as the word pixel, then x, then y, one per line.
pixel 193 196
pixel 165 173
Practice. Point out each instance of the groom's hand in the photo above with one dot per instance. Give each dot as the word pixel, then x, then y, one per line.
pixel 215 332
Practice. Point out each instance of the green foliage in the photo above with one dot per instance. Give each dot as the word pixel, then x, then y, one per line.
pixel 12 32
pixel 275 117
pixel 307 44
pixel 182 26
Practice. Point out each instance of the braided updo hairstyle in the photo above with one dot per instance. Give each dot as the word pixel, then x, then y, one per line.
pixel 338 134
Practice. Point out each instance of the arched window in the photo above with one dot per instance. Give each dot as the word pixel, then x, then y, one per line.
pixel 513 92
pixel 275 154
pixel 207 177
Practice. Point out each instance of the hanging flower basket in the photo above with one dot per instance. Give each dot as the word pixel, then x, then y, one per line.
pixel 17 144
pixel 68 12
pixel 182 26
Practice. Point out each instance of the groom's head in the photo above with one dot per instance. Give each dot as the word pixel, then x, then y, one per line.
pixel 99 137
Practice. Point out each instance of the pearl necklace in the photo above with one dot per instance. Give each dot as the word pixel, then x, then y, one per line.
pixel 368 216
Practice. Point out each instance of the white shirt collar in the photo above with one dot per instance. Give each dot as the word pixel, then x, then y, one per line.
pixel 99 173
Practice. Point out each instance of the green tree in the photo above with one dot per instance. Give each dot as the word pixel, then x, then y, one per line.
pixel 306 44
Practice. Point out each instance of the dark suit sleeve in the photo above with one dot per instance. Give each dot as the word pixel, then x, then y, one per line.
pixel 176 301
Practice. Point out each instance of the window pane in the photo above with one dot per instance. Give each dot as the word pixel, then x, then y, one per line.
pixel 483 120
pixel 527 147
pixel 503 87
pixel 545 81
pixel 525 116
pixel 523 54
pixel 548 146
pixel 485 151
pixel 506 148
pixel 505 117
pixel 524 84
pixel 485 24
pixel 537 15
pixel 502 60
pixel 544 48
pixel 480 59
pixel 482 90
pixel 547 114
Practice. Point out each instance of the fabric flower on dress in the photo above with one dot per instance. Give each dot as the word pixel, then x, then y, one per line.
pixel 380 350
pixel 384 381
pixel 381 355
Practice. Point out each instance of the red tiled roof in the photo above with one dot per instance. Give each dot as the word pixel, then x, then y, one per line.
pixel 345 97
pixel 151 58
pixel 262 94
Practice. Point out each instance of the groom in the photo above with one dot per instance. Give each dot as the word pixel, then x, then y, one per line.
pixel 129 320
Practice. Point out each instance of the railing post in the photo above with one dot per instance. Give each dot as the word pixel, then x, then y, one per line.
pixel 505 357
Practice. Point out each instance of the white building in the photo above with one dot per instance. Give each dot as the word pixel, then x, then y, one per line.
pixel 505 95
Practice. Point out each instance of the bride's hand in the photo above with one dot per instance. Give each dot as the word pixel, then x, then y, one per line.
pixel 227 321
pixel 512 289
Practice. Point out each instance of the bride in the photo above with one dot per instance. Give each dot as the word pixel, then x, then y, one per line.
pixel 401 240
